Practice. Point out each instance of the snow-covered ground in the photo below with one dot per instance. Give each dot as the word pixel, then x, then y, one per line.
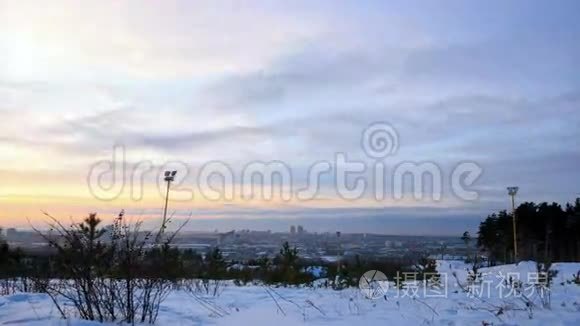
pixel 258 305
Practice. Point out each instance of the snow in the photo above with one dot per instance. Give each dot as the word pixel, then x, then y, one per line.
pixel 260 305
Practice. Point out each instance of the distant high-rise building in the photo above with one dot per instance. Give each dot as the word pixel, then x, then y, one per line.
pixel 301 229
pixel 292 229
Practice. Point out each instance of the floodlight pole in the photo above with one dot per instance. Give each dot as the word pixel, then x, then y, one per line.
pixel 512 191
pixel 166 202
pixel 338 261
pixel 169 176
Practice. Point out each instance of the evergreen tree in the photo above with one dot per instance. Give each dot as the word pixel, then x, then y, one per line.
pixel 545 232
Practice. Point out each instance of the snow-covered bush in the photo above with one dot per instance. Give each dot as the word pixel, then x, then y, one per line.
pixel 123 277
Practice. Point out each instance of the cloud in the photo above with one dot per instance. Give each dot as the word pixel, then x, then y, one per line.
pixel 294 83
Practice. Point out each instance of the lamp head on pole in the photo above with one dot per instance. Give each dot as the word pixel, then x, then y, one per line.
pixel 512 191
pixel 170 175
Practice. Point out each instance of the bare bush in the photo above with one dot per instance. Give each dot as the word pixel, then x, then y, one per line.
pixel 205 287
pixel 119 273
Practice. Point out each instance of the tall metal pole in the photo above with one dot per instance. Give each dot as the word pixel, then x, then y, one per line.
pixel 512 191
pixel 338 262
pixel 169 176
pixel 166 202
pixel 515 232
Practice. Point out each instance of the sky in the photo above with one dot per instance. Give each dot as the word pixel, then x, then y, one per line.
pixel 181 83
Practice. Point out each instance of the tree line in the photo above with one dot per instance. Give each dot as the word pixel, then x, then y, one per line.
pixel 545 232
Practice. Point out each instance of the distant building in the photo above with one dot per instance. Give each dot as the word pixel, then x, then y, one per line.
pixel 292 229
pixel 301 229
pixel 11 233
